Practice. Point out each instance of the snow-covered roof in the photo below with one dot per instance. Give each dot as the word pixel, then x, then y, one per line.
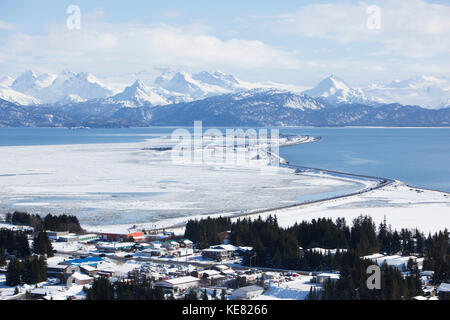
pixel 373 256
pixel 88 268
pixel 211 272
pixel 330 275
pixel 80 276
pixel 181 280
pixel 57 266
pixel 39 291
pixel 221 267
pixel 249 289
pixel 228 247
pixel 444 287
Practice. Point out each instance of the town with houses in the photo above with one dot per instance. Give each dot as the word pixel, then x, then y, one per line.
pixel 175 265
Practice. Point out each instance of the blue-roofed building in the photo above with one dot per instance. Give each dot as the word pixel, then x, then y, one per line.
pixel 90 261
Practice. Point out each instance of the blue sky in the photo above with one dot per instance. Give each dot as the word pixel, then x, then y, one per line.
pixel 296 42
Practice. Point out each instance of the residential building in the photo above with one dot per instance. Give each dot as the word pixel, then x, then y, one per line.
pixel 443 291
pixel 246 293
pixel 178 285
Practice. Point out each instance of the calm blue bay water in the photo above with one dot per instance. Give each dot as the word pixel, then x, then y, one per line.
pixel 417 156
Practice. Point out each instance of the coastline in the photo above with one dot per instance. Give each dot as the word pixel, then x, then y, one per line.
pixel 279 207
pixel 383 184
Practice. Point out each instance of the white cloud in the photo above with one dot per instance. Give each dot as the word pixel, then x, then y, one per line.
pixel 6 26
pixel 412 28
pixel 123 45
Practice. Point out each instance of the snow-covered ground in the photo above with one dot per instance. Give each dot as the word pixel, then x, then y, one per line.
pixel 403 207
pixel 112 187
pixel 126 183
pixel 291 290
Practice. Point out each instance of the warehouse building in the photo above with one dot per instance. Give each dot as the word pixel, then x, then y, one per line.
pixel 137 236
pixel 178 285
pixel 246 293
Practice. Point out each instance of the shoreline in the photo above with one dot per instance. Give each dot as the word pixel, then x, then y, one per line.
pixel 366 185
pixel 381 182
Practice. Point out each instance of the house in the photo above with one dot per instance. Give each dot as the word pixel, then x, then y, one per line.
pixel 212 277
pixel 56 271
pixel 186 243
pixel 183 252
pixel 216 254
pixel 89 270
pixel 151 252
pixel 61 271
pixel 220 267
pixel 207 273
pixel 38 294
pixel 107 273
pixel 137 236
pixel 220 252
pixel 54 235
pixel 178 285
pixel 157 244
pixel 443 291
pixel 323 277
pixel 246 293
pixel 171 245
pixel 79 279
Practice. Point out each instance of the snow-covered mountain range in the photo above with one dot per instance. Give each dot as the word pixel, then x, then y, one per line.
pixel 175 86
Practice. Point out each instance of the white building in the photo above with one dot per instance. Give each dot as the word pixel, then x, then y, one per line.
pixel 246 293
pixel 179 285
pixel 323 277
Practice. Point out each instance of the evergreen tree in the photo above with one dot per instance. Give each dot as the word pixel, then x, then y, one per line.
pixel 191 295
pixel 2 257
pixel 204 295
pixel 13 273
pixel 223 295
pixel 101 290
pixel 42 245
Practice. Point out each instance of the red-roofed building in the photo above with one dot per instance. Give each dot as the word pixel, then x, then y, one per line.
pixel 137 236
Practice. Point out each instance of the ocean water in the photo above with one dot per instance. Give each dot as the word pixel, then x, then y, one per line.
pixel 417 156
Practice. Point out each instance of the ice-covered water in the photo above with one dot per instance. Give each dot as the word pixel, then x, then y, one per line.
pixel 104 177
pixel 118 183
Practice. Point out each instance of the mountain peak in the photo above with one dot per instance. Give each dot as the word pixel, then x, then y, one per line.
pixel 328 87
pixel 138 94
pixel 139 84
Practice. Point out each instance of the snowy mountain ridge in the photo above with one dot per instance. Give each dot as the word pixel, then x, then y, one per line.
pixel 177 86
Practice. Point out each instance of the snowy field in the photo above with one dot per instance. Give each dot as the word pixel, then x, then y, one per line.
pixel 290 290
pixel 403 207
pixel 131 183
